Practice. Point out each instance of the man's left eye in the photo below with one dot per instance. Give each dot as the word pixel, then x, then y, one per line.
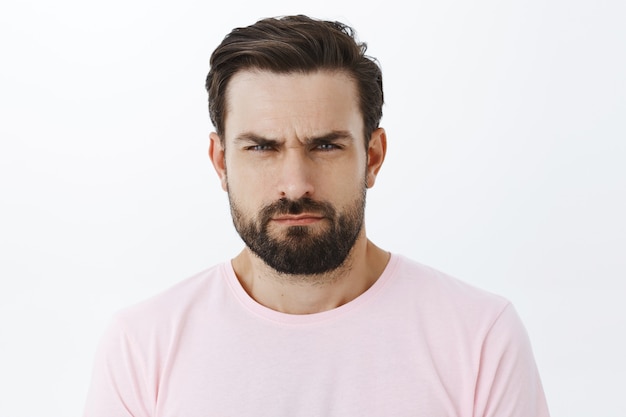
pixel 327 146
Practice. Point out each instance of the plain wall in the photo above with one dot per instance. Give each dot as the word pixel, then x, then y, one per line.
pixel 506 168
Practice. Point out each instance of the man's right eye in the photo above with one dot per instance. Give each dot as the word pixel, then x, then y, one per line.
pixel 259 148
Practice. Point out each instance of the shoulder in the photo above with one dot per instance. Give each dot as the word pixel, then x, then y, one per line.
pixel 175 304
pixel 430 282
pixel 444 298
pixel 452 314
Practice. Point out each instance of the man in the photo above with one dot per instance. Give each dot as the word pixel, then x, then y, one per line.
pixel 311 318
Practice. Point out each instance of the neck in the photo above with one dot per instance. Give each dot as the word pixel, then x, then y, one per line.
pixel 308 294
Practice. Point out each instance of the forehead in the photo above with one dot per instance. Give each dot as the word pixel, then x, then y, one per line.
pixel 280 104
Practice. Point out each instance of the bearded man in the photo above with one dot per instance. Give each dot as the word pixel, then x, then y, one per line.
pixel 311 318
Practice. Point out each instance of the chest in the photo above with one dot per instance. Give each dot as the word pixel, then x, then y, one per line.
pixel 353 370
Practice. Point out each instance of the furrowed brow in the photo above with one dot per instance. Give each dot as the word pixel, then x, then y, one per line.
pixel 335 135
pixel 251 138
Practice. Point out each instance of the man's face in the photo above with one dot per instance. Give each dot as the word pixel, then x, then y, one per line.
pixel 295 167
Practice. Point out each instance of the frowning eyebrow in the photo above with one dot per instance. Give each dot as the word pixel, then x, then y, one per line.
pixel 252 138
pixel 335 135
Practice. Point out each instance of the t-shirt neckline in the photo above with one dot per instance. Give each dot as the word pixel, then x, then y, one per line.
pixel 267 313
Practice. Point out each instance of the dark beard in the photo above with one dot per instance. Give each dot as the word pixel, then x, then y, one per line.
pixel 302 251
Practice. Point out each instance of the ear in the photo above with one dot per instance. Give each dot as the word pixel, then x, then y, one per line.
pixel 216 153
pixel 376 151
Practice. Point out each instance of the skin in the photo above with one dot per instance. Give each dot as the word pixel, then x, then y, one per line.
pixel 290 136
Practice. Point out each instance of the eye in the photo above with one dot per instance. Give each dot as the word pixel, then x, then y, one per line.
pixel 327 147
pixel 259 148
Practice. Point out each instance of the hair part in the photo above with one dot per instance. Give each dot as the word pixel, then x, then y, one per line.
pixel 295 44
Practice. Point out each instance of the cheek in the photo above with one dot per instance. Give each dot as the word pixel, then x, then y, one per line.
pixel 248 187
pixel 249 178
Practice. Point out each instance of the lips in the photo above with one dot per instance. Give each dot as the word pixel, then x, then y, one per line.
pixel 298 220
pixel 301 212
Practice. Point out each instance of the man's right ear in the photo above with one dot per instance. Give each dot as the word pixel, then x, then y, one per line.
pixel 216 153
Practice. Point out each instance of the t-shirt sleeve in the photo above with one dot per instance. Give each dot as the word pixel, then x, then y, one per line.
pixel 119 385
pixel 508 382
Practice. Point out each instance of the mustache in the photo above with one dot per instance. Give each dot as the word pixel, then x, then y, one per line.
pixel 301 205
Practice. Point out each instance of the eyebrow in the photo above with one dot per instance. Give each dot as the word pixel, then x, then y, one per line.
pixel 250 137
pixel 331 136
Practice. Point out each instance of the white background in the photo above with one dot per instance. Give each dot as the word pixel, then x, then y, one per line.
pixel 506 168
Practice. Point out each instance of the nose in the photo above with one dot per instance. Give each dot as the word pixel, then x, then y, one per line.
pixel 296 176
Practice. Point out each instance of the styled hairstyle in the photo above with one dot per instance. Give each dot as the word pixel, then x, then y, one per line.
pixel 295 44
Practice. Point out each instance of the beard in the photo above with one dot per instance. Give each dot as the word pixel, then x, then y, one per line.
pixel 302 250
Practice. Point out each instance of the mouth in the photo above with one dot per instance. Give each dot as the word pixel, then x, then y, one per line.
pixel 302 219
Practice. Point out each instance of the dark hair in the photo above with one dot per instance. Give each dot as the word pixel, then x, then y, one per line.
pixel 295 44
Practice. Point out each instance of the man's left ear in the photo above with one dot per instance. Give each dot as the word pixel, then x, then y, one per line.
pixel 376 151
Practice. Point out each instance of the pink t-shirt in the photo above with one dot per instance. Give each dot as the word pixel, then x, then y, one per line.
pixel 417 343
